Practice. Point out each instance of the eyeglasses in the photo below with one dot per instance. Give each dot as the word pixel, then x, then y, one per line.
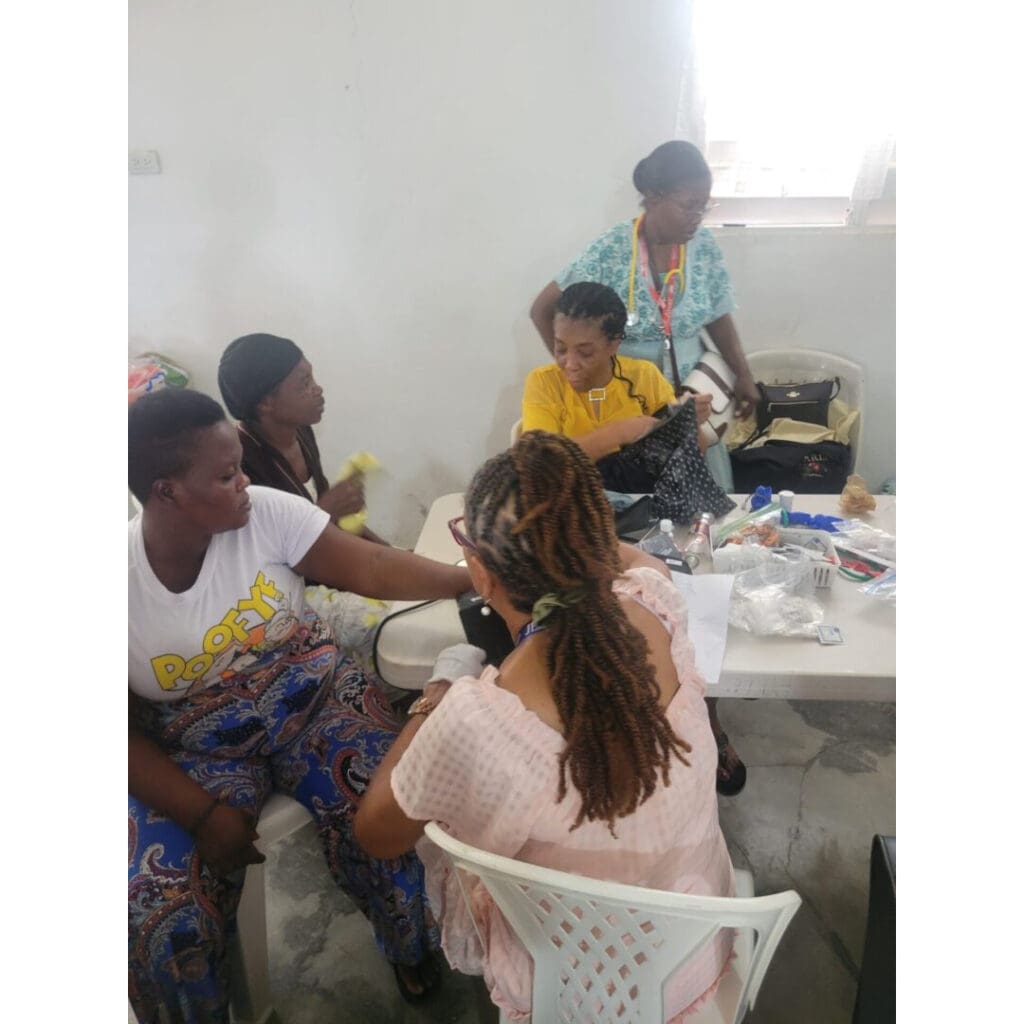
pixel 458 535
pixel 698 209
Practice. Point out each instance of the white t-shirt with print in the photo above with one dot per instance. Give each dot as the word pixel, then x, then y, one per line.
pixel 245 601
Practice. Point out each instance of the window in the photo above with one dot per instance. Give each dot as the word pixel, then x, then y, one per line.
pixel 791 102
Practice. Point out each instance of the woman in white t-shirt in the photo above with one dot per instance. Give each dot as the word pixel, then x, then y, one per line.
pixel 236 689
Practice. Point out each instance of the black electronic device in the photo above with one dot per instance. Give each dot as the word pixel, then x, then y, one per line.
pixel 676 564
pixel 633 522
pixel 488 632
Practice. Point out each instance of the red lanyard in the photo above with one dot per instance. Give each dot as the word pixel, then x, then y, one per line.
pixel 666 299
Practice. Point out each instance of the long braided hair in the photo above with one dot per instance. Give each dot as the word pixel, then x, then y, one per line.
pixel 589 300
pixel 542 525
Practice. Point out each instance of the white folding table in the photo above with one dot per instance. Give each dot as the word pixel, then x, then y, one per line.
pixel 862 668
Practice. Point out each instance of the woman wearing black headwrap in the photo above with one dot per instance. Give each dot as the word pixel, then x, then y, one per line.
pixel 268 386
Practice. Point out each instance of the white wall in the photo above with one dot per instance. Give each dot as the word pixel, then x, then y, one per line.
pixel 391 184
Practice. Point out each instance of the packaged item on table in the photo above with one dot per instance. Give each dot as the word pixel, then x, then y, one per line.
pixel 659 541
pixel 883 586
pixel 152 371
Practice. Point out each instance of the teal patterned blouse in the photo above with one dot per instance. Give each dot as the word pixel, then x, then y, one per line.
pixel 706 297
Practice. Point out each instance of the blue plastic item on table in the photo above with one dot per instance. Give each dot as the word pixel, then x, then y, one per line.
pixel 761 497
pixel 809 522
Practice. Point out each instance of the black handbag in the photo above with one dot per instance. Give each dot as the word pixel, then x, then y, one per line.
pixel 807 402
pixel 818 468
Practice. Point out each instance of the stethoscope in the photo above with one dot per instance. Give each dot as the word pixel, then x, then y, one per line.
pixel 632 319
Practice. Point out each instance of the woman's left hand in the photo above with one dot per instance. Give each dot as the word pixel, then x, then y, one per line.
pixel 345 498
pixel 702 403
pixel 747 395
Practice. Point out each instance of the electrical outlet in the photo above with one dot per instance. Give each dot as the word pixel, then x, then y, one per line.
pixel 143 161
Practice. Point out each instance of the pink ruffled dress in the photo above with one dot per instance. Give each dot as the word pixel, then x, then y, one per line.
pixel 487 768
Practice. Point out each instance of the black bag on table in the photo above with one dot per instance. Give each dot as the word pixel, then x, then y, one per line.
pixel 819 468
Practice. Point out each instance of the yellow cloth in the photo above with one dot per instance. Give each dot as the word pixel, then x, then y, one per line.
pixel 841 421
pixel 357 463
pixel 550 403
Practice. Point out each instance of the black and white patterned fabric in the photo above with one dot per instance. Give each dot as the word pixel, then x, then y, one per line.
pixel 683 484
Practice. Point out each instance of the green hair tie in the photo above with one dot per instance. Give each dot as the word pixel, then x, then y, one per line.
pixel 547 603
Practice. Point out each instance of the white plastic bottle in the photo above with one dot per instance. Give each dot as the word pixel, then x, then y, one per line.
pixel 660 541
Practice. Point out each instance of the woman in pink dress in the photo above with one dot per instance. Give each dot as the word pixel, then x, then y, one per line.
pixel 588 750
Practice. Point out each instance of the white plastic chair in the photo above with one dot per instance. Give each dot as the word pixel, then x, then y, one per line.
pixel 250 980
pixel 516 432
pixel 791 365
pixel 580 952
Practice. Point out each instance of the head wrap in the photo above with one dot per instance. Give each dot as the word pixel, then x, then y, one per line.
pixel 251 368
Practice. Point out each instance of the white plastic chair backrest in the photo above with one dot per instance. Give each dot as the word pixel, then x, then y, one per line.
pixel 601 951
pixel 515 433
pixel 792 365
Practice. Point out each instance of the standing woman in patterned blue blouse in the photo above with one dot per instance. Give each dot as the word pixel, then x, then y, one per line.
pixel 669 272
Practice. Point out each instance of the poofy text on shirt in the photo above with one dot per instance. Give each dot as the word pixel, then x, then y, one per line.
pixel 257 624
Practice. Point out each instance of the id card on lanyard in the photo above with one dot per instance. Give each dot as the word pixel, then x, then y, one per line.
pixel 672 287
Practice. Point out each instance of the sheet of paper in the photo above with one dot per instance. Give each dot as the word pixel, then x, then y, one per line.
pixel 707 602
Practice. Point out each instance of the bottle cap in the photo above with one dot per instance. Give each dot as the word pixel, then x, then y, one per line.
pixel 665 526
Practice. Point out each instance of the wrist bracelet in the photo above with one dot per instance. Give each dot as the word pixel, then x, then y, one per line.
pixel 201 820
pixel 422 706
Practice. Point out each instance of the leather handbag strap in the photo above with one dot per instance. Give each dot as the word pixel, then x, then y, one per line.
pixel 677 384
pixel 712 373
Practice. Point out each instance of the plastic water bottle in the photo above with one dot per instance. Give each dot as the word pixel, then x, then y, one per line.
pixel 697 550
pixel 660 542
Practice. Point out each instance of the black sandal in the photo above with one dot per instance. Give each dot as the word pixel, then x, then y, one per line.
pixel 429 975
pixel 734 781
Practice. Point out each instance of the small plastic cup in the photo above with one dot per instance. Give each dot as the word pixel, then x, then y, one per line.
pixel 786 500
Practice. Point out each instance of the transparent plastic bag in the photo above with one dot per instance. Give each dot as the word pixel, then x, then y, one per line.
pixel 768 515
pixel 152 371
pixel 777 598
pixel 883 586
pixel 858 536
pixel 737 558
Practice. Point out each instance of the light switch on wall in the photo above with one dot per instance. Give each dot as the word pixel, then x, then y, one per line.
pixel 143 161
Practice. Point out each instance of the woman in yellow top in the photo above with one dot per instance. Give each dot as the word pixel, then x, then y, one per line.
pixel 606 403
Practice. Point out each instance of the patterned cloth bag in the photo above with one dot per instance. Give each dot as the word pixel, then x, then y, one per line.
pixel 684 486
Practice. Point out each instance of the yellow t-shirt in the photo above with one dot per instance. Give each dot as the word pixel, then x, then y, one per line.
pixel 550 403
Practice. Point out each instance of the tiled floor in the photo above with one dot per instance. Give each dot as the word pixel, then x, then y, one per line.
pixel 822 782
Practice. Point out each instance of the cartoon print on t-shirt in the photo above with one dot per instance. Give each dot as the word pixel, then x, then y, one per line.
pixel 257 625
